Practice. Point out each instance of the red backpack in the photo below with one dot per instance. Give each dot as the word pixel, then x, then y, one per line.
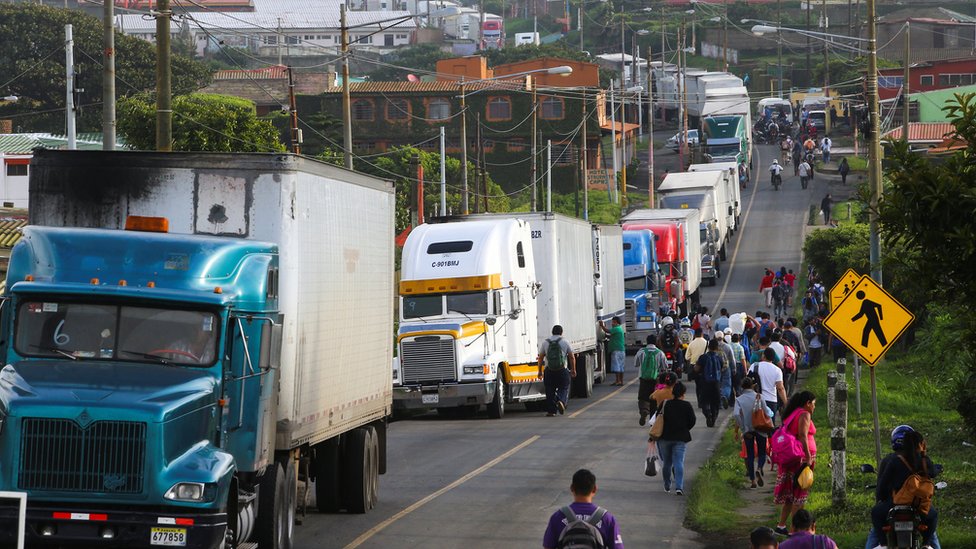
pixel 789 361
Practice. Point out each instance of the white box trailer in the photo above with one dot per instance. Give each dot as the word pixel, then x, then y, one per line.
pixel 715 214
pixel 733 191
pixel 608 253
pixel 331 294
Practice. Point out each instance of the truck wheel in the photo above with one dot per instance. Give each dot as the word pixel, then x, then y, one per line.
pixel 374 469
pixel 583 383
pixel 276 507
pixel 496 408
pixel 357 470
pixel 722 253
pixel 327 474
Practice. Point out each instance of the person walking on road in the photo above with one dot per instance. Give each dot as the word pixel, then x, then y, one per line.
pixel 652 363
pixel 618 349
pixel 754 441
pixel 798 420
pixel 843 170
pixel 825 206
pixel 582 508
pixel 556 354
pixel 708 377
pixel 679 419
pixel 770 379
pixel 805 172
pixel 766 287
pixel 825 147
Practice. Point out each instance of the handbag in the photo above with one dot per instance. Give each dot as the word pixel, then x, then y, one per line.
pixel 658 428
pixel 650 466
pixel 761 423
pixel 785 447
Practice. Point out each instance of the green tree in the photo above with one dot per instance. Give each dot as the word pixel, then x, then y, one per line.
pixel 421 58
pixel 32 42
pixel 927 209
pixel 833 251
pixel 201 122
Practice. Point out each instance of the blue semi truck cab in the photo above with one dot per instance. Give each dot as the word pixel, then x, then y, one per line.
pixel 642 286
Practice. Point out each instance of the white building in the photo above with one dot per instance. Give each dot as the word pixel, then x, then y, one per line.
pixel 282 27
pixel 16 151
pixel 616 61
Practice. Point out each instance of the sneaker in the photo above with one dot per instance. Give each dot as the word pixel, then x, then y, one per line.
pixel 759 478
pixel 710 422
pixel 753 485
pixel 643 420
pixel 667 489
pixel 561 407
pixel 781 530
pixel 678 492
pixel 725 403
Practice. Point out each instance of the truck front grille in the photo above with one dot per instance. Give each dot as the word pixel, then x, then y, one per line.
pixel 428 359
pixel 630 318
pixel 61 455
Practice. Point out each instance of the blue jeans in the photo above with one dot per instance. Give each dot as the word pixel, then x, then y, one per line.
pixel 874 540
pixel 672 455
pixel 557 387
pixel 754 461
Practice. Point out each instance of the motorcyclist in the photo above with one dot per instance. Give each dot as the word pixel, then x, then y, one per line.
pixel 786 149
pixel 669 343
pixel 897 445
pixel 775 173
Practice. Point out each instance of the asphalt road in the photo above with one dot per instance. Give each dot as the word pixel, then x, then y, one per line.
pixel 480 483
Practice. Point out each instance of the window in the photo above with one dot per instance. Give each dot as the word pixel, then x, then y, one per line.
pixel 475 303
pixel 271 40
pixel 499 108
pixel 16 169
pixel 938 37
pixel 893 82
pixel 516 145
pixel 397 109
pixel 309 37
pixel 927 80
pixel 401 36
pixel 520 255
pixel 292 40
pixel 362 110
pixel 416 306
pixel 552 108
pixel 439 109
pixel 365 39
pixel 450 247
pixel 364 146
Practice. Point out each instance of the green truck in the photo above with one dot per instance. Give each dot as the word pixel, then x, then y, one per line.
pixel 727 139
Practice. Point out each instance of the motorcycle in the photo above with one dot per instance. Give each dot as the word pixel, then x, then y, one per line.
pixel 777 180
pixel 903 527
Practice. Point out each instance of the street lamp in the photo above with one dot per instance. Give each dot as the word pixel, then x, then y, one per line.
pixel 562 70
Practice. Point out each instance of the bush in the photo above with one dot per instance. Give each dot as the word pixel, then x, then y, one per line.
pixel 833 251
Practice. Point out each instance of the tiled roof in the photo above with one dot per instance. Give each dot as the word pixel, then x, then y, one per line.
pixel 923 132
pixel 10 230
pixel 424 87
pixel 274 72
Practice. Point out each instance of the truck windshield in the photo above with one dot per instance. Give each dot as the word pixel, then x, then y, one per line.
pixel 723 150
pixel 636 283
pixel 703 235
pixel 468 304
pixel 416 306
pixel 116 332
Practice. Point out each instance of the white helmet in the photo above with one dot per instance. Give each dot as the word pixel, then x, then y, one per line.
pixel 685 323
pixel 775 161
pixel 667 321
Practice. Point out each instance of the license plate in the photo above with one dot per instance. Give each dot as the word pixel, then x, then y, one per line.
pixel 430 399
pixel 171 537
pixel 904 525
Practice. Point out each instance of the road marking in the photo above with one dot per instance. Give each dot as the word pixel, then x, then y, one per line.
pixel 417 505
pixel 738 240
pixel 607 397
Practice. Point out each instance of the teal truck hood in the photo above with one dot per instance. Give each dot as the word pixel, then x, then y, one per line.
pixel 146 392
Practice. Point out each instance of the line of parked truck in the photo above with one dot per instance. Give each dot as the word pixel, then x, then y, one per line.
pixel 197 346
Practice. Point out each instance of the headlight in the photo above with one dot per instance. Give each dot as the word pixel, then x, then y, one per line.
pixel 481 369
pixel 191 491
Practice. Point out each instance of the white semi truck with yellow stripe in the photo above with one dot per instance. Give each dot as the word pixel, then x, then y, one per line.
pixel 479 293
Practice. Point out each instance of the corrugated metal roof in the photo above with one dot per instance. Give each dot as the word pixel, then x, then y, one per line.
pixel 274 72
pixel 24 143
pixel 17 143
pixel 924 132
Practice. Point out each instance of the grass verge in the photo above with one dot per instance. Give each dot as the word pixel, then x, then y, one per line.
pixel 906 395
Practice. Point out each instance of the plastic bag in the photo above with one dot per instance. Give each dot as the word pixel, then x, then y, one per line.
pixel 804 479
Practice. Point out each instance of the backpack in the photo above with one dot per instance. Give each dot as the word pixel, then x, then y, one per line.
pixel 711 367
pixel 554 355
pixel 778 293
pixel 789 360
pixel 581 534
pixel 917 490
pixel 668 339
pixel 753 373
pixel 650 363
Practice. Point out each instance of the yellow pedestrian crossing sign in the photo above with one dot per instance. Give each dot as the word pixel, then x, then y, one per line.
pixel 843 287
pixel 869 320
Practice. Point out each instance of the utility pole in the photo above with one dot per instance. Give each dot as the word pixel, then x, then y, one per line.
pixel 809 74
pixel 584 178
pixel 779 45
pixel 346 100
pixel 296 134
pixel 108 76
pixel 613 139
pixel 549 175
pixel 164 99
pixel 579 23
pixel 69 99
pixel 623 150
pixel 650 133
pixel 535 138
pixel 826 57
pixel 682 134
pixel 278 41
pixel 905 84
pixel 464 151
pixel 481 33
pixel 664 61
pixel 443 176
pixel 725 35
pixel 874 152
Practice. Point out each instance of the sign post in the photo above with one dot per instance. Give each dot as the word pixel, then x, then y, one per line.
pixel 868 320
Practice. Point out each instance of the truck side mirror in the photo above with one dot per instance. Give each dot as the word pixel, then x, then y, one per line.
pixel 270 346
pixel 731 211
pixel 497 302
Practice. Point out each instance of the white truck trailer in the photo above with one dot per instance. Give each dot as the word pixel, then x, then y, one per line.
pixel 733 191
pixel 295 293
pixel 679 251
pixel 608 253
pixel 478 295
pixel 714 211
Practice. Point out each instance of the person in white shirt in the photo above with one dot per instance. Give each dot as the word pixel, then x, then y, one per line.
pixel 770 379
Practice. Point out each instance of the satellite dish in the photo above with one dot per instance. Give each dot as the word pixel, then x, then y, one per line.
pixel 412 78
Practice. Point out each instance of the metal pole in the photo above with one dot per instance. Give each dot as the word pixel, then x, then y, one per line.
pixel 296 146
pixel 346 100
pixel 857 379
pixel 535 141
pixel 108 76
pixel 905 83
pixel 548 175
pixel 650 133
pixel 623 150
pixel 443 176
pixel 278 42
pixel 164 99
pixel 684 104
pixel 586 184
pixel 69 100
pixel 725 35
pixel 874 405
pixel 826 63
pixel 579 19
pixel 874 149
pixel 613 140
pixel 809 75
pixel 779 47
pixel 464 152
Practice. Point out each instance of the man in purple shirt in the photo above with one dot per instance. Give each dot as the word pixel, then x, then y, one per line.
pixel 804 535
pixel 583 489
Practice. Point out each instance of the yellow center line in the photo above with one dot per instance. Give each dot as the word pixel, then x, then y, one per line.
pixel 417 505
pixel 607 397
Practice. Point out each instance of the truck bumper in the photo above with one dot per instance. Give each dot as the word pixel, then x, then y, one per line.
pixel 636 339
pixel 416 397
pixel 86 527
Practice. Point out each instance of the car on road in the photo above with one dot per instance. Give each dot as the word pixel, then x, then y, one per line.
pixel 693 138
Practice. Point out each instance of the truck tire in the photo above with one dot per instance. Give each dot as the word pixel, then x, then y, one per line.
pixel 722 253
pixel 496 408
pixel 327 471
pixel 358 470
pixel 276 507
pixel 582 384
